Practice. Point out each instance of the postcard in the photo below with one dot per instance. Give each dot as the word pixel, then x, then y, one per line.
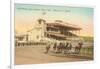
pixel 52 34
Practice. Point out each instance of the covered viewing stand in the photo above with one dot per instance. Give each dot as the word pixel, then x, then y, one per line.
pixel 61 31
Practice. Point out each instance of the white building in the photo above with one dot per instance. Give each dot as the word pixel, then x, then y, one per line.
pixel 55 31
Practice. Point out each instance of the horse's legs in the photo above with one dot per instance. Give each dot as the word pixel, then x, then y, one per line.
pixel 76 50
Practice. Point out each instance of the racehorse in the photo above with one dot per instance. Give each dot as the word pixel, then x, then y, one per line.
pixel 78 48
pixel 55 47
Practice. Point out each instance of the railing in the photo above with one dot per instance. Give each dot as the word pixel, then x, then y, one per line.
pixel 87 51
pixel 20 44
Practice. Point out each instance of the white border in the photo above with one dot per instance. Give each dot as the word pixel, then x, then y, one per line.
pixel 13 66
pixel 12 51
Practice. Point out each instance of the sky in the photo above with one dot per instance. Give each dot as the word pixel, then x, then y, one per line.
pixel 26 16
